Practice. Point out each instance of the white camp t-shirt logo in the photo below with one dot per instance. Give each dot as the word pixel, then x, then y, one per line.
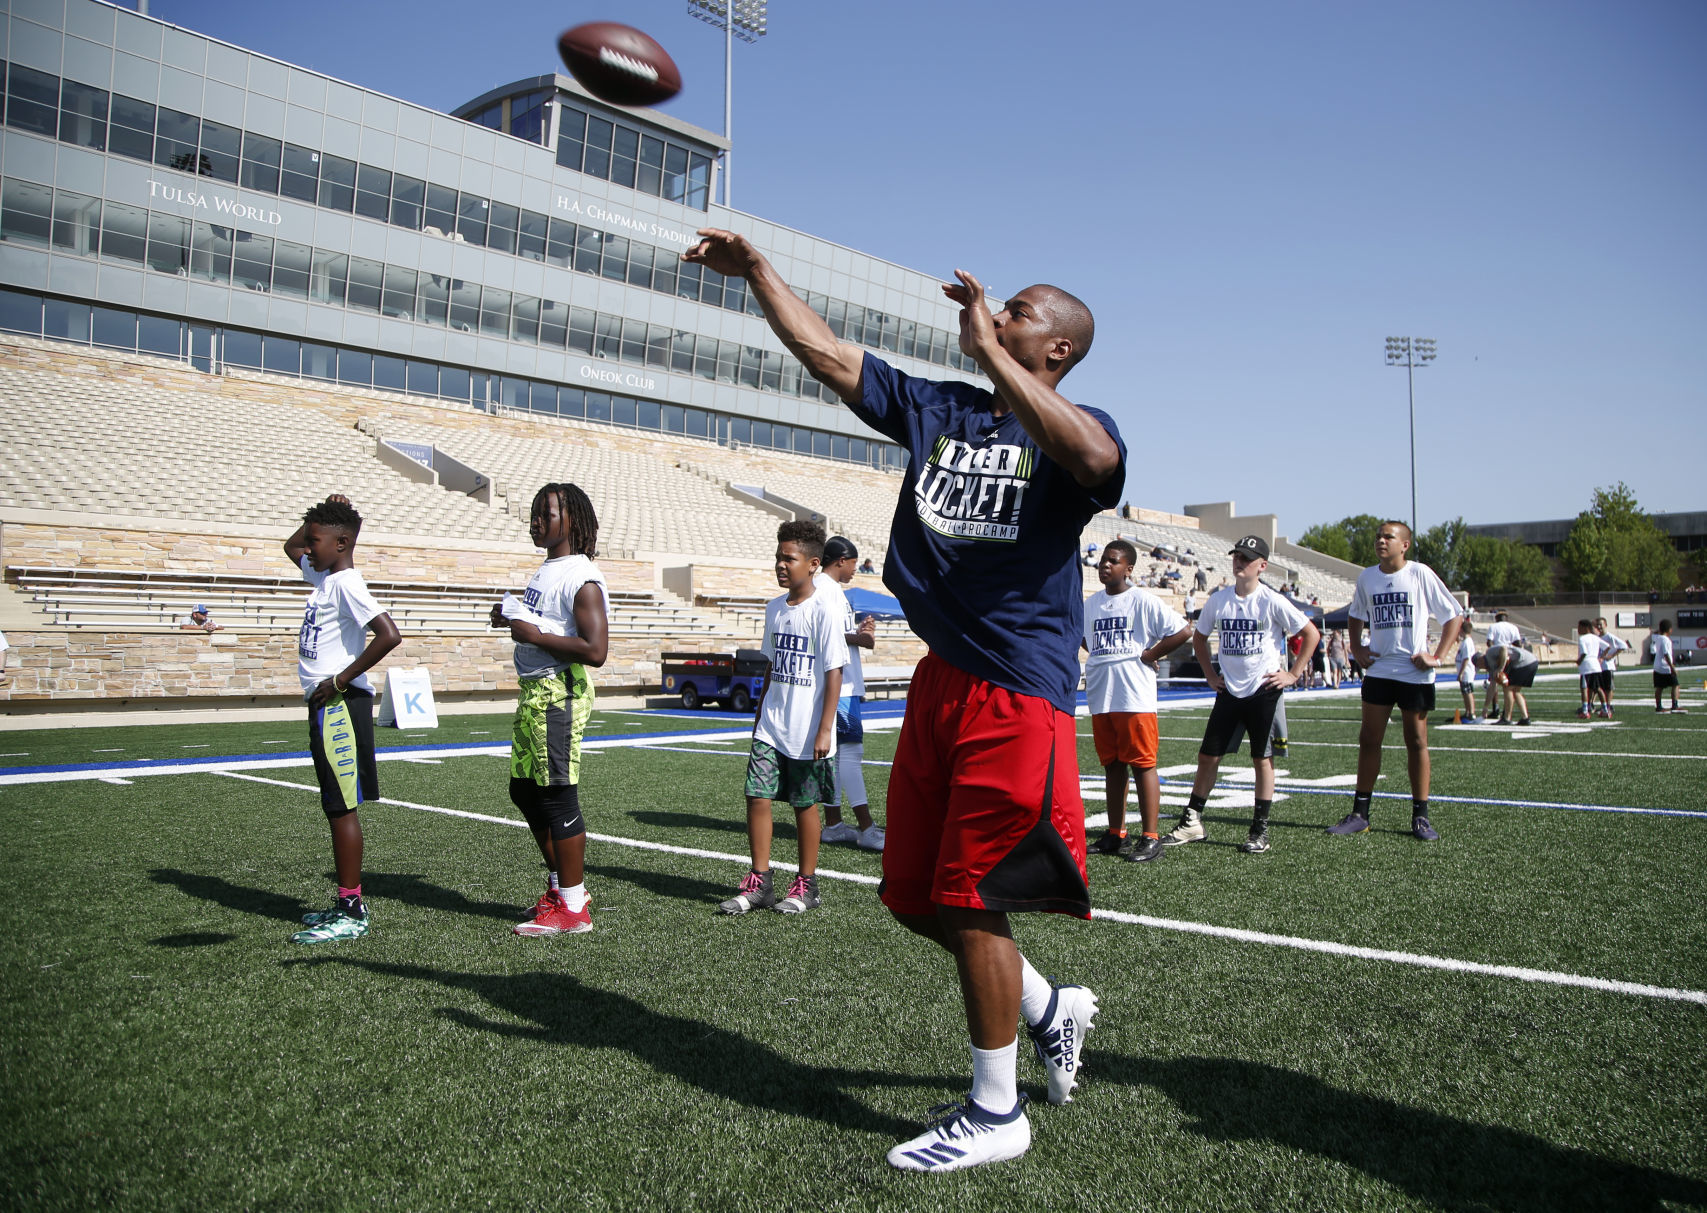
pixel 974 492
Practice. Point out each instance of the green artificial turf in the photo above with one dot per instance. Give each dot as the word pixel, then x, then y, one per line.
pixel 166 1047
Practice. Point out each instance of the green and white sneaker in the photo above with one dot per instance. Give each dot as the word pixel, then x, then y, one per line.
pixel 339 926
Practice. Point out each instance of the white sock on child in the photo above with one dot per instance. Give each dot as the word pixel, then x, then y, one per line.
pixel 1034 992
pixel 994 1087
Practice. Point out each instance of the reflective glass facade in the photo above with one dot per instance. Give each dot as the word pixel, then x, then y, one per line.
pixel 526 254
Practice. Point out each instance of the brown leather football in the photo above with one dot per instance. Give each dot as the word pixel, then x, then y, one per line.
pixel 619 64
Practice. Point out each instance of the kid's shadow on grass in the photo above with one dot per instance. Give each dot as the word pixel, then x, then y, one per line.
pixel 664 884
pixel 232 896
pixel 563 1010
pixel 408 888
pixel 783 826
pixel 1452 1163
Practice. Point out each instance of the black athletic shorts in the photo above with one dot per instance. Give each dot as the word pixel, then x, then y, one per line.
pixel 1255 714
pixel 336 750
pixel 1662 681
pixel 1523 678
pixel 1409 696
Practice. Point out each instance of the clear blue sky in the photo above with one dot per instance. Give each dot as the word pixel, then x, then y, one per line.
pixel 1250 195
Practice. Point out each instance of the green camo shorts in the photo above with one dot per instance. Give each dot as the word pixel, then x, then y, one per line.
pixel 802 782
pixel 551 715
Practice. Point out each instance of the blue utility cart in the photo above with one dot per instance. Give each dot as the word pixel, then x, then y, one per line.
pixel 733 680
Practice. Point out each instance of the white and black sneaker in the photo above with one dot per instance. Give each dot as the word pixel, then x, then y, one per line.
pixel 965 1135
pixel 754 894
pixel 802 896
pixel 1060 1036
pixel 1189 829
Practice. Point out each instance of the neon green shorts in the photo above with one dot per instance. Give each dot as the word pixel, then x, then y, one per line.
pixel 551 715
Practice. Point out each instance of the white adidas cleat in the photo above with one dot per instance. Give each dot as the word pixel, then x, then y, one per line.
pixel 964 1135
pixel 1059 1037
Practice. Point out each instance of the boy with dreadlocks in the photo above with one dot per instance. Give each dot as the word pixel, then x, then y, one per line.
pixel 332 664
pixel 560 626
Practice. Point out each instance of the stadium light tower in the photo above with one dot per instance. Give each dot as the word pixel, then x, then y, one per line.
pixel 743 19
pixel 1410 353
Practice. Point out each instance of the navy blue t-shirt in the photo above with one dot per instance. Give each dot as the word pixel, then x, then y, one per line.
pixel 984 549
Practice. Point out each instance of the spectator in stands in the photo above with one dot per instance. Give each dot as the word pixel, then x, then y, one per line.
pixel 1191 607
pixel 332 665
pixel 1200 583
pixel 198 620
pixel 865 566
pixel 839 557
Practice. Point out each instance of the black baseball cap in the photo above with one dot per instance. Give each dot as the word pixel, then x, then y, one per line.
pixel 839 547
pixel 1253 546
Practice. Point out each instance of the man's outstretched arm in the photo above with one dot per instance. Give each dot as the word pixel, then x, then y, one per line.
pixel 829 360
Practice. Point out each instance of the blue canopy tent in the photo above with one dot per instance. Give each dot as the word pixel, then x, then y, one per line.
pixel 870 602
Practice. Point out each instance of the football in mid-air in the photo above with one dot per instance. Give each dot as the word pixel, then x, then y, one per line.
pixel 619 64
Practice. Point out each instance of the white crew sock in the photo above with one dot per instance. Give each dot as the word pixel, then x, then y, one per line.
pixel 575 898
pixel 850 774
pixel 994 1087
pixel 1034 992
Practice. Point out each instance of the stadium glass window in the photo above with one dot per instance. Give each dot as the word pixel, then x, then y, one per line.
pixel 857 449
pixel 495 312
pixel 553 324
pixel 130 128
pixel 669 418
pixel 175 137
pixel 160 335
pixel 589 244
pixel 711 287
pixel 440 214
pixel 373 193
pixel 301 176
pixel 330 280
pixel 740 430
pixel 20 312
pixel 696 423
pixel 454 383
pixel 221 152
pixel 319 361
pixel 597 161
pixel 32 100
pixel 699 181
pixel 501 224
pixel 651 175
pixel 124 233
pixel 524 323
pixel 598 406
pixel 705 357
pixel 681 351
pixel 464 306
pixel 625 154
pixel 530 238
pixel 542 398
pixel 527 117
pixel 640 264
pixel 735 294
pixel 664 264
pixel 114 328
pixel 65 320
pixel 398 301
pixel 761 433
pixel 649 418
pixel 634 336
pixel 658 347
pixel 169 244
pixel 492 117
pixel 728 361
pixel 293 266
pixel 366 281
pixel 571 402
pixel 355 366
pixel 623 410
pixel 571 135
pixel 390 373
pixel 749 368
pixel 583 330
pixel 408 195
pixel 83 115
pixel 26 213
pixel 607 341
pixel 770 371
pixel 614 266
pixel 337 183
pixel 560 243
pixel 261 158
pixel 820 444
pixel 675 173
pixel 512 392
pixel 471 218
pixel 242 349
pixel 687 279
pixel 252 263
pixel 422 377
pixel 281 355
pixel 435 300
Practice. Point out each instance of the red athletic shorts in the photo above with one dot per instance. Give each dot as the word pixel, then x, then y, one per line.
pixel 984 808
pixel 1129 737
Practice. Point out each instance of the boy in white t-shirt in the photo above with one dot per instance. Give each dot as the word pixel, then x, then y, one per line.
pixel 1127 631
pixel 841 559
pixel 332 663
pixel 1252 624
pixel 1467 671
pixel 1591 650
pixel 1394 600
pixel 794 737
pixel 561 626
pixel 1665 667
pixel 1613 645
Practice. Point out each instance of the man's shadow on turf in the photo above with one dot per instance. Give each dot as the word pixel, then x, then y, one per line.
pixel 1452 1163
pixel 405 887
pixel 563 1010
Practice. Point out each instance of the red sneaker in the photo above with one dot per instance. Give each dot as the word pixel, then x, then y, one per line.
pixel 546 900
pixel 558 919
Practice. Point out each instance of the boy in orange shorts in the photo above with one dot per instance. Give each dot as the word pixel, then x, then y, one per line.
pixel 1127 631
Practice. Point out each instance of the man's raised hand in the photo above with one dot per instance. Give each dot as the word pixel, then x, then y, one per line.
pixel 729 254
pixel 977 326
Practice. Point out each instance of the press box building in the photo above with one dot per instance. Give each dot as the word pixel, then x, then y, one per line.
pixel 169 193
